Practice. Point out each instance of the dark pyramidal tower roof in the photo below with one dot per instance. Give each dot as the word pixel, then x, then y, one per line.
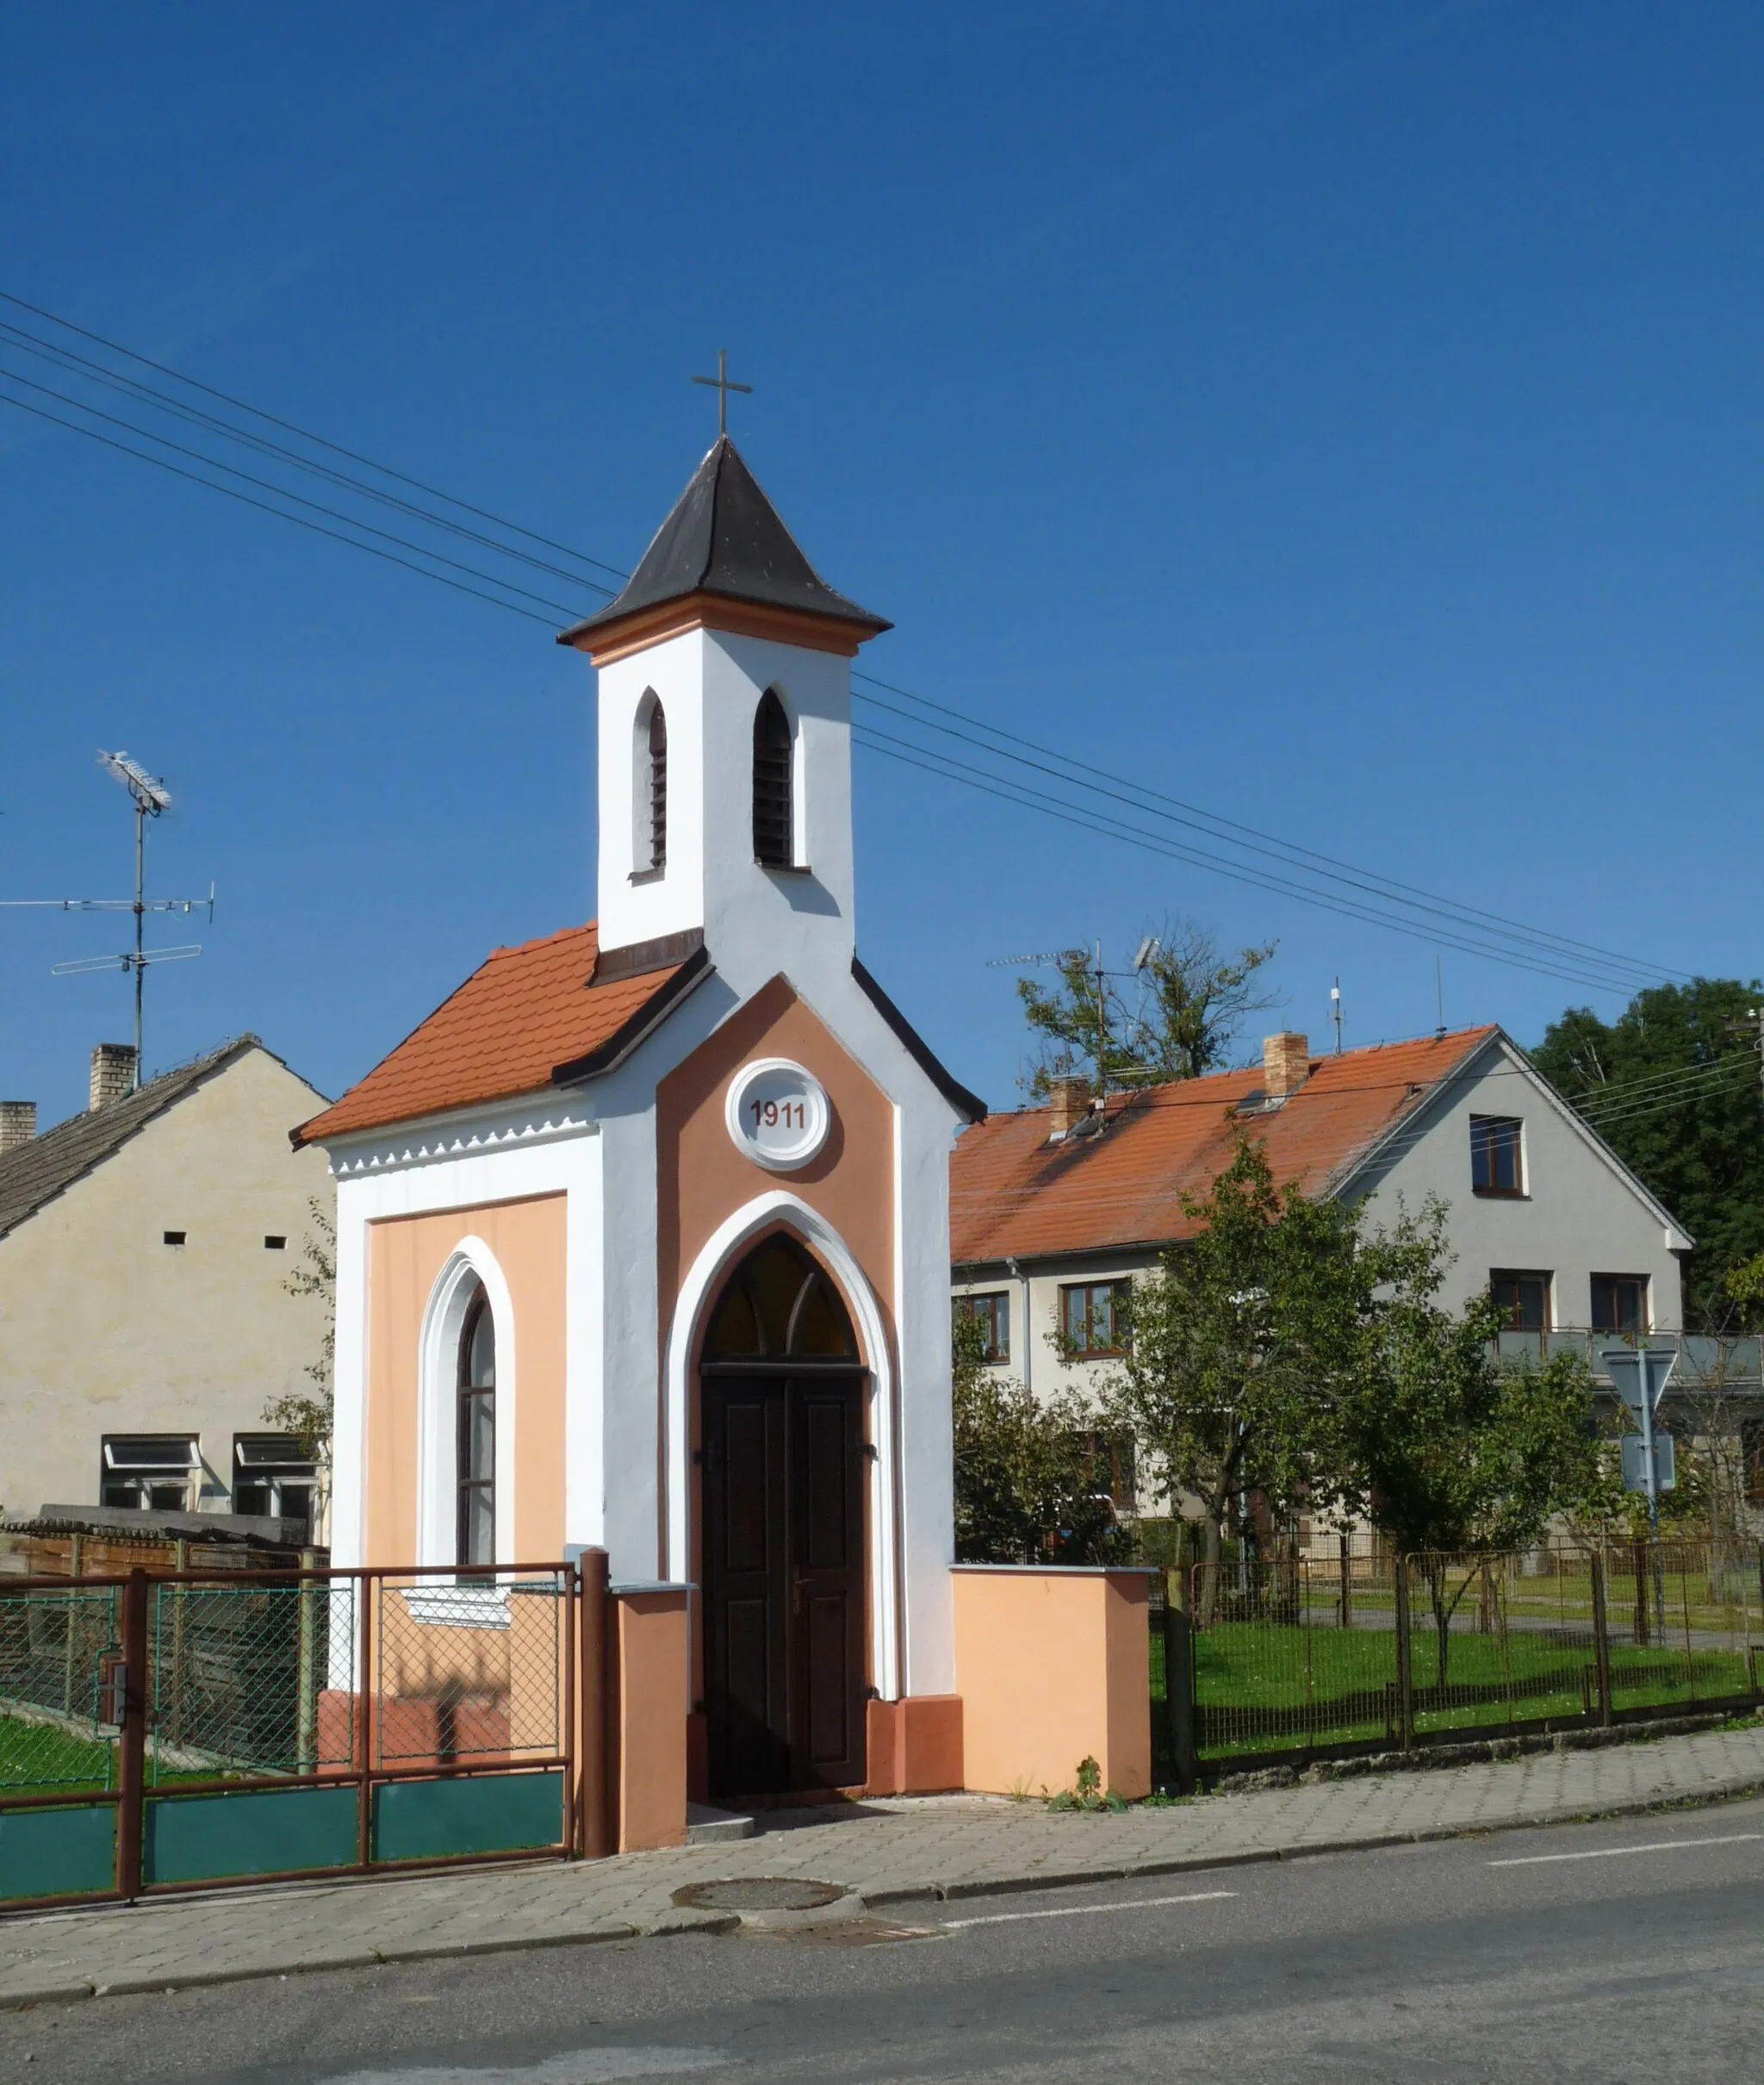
pixel 724 538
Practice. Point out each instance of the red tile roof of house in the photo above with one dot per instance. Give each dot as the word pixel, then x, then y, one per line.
pixel 522 1014
pixel 1013 1194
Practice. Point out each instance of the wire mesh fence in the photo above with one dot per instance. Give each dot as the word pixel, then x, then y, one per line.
pixel 470 1671
pixel 1305 1653
pixel 239 1671
pixel 56 1649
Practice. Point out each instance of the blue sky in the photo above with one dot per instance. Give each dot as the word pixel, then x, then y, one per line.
pixel 1341 416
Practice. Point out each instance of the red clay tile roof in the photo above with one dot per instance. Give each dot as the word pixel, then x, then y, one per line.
pixel 1013 1194
pixel 522 1013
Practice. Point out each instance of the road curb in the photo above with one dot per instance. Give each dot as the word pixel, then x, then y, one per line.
pixel 670 1923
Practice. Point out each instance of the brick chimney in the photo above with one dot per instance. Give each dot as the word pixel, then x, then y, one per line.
pixel 1068 1101
pixel 1286 1065
pixel 112 1075
pixel 18 1124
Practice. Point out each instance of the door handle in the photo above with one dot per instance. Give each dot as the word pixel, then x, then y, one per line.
pixel 796 1577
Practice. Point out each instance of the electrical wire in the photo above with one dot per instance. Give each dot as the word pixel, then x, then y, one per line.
pixel 282 492
pixel 305 434
pixel 1011 791
pixel 1207 820
pixel 263 506
pixel 1360 893
pixel 81 367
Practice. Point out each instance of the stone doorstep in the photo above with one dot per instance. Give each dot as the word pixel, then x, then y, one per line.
pixel 673 1921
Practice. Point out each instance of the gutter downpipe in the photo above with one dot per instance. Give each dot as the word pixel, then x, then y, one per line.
pixel 1013 1268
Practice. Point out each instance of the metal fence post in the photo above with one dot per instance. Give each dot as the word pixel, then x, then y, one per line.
pixel 1601 1639
pixel 1347 1570
pixel 594 1833
pixel 1640 1552
pixel 1179 1690
pixel 131 1745
pixel 305 1734
pixel 1405 1686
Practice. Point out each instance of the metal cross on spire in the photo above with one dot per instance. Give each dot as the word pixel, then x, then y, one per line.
pixel 723 384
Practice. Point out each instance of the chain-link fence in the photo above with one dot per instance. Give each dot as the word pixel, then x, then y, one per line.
pixel 56 1649
pixel 183 1729
pixel 1307 1654
pixel 240 1673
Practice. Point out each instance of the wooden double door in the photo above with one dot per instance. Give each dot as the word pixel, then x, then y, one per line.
pixel 783 1464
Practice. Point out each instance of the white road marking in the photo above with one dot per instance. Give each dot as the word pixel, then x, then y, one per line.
pixel 1601 1853
pixel 1079 1911
pixel 578 2066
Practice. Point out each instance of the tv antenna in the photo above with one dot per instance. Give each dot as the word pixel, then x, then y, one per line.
pixel 150 799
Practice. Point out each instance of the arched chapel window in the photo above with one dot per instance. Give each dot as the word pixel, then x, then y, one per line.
pixel 649 793
pixel 475 1455
pixel 773 833
pixel 778 1305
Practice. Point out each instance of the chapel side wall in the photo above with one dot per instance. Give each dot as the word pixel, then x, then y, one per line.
pixel 105 1329
pixel 406 1255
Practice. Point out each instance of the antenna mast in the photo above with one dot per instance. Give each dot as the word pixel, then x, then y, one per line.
pixel 151 800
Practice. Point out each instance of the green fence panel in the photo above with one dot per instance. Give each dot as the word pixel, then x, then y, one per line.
pixel 418 1821
pixel 204 1838
pixel 57 1853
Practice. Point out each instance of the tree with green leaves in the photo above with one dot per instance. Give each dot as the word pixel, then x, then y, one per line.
pixel 1672 1086
pixel 1026 1481
pixel 306 1414
pixel 1452 1453
pixel 1241 1348
pixel 1177 1017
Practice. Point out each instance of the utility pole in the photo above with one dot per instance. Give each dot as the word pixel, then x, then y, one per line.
pixel 1335 1012
pixel 1101 977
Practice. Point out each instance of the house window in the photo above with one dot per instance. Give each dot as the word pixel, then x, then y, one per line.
pixel 274 1241
pixel 1109 1460
pixel 992 1313
pixel 1523 1297
pixel 775 839
pixel 1497 1156
pixel 1092 1316
pixel 270 1476
pixel 149 1470
pixel 475 1527
pixel 1620 1303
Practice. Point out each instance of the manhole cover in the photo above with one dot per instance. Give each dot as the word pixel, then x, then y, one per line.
pixel 758 1893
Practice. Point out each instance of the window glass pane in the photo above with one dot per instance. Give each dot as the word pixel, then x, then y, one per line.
pixel 735 1331
pixel 1496 1146
pixel 480 1437
pixel 253 1497
pixel 821 1329
pixel 169 1498
pixel 480 1544
pixel 482 1361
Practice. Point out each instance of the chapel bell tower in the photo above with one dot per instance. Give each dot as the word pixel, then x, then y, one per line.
pixel 725 742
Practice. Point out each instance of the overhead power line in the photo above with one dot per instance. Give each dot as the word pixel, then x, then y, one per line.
pixel 1084 795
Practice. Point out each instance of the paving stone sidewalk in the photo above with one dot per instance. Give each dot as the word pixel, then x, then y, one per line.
pixel 884 1854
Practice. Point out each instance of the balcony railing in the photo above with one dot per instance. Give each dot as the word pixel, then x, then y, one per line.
pixel 1707 1364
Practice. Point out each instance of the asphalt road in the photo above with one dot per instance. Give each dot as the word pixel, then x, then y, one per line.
pixel 1607 1953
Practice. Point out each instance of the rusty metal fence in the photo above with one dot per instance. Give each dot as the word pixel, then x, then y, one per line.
pixel 1260 1662
pixel 161 1732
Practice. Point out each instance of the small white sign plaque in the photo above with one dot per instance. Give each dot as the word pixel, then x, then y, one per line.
pixel 778 1113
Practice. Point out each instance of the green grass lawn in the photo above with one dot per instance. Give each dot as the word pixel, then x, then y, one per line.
pixel 1265 1687
pixel 37 1758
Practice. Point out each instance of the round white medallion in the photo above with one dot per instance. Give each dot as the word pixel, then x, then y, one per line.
pixel 778 1113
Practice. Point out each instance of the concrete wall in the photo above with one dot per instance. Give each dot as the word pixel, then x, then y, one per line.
pixel 1052 1668
pixel 105 1328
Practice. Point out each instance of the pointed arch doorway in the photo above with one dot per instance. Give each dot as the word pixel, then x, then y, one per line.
pixel 782 1416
